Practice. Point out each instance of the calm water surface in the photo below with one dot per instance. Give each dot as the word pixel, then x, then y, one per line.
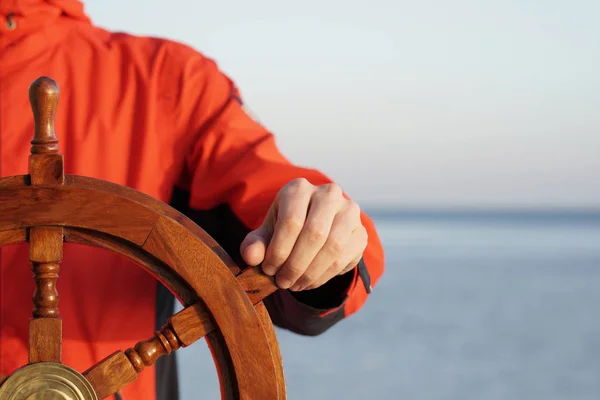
pixel 486 307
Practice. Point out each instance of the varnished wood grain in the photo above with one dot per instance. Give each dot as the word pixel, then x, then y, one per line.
pixel 155 206
pixel 45 340
pixel 194 245
pixel 45 329
pixel 242 331
pixel 43 96
pixel 46 165
pixel 14 181
pixel 191 324
pixel 64 205
pixel 256 284
pixel 46 244
pixel 120 369
pixel 194 322
pixel 111 374
pixel 184 293
pixel 13 237
pixel 224 305
pixel 145 353
pixel 46 169
pixel 262 311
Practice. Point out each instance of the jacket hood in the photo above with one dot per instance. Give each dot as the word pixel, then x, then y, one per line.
pixel 19 18
pixel 71 8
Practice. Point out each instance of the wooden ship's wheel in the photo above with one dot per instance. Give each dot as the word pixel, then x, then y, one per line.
pixel 222 303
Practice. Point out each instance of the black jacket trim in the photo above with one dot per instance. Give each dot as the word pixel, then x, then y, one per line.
pixel 363 272
pixel 298 312
pixel 167 383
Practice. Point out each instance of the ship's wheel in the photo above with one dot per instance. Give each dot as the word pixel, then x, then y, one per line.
pixel 222 303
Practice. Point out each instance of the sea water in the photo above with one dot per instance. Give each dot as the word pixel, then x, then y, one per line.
pixel 484 306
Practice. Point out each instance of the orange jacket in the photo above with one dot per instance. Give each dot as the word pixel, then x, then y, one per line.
pixel 160 117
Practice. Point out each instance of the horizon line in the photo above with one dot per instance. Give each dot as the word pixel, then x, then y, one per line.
pixel 478 210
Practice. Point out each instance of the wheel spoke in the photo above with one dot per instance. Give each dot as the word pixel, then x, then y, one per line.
pixel 45 329
pixel 121 368
pixel 46 167
pixel 45 206
pixel 111 374
pixel 45 340
pixel 256 284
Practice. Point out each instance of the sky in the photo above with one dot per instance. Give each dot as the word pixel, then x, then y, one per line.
pixel 428 103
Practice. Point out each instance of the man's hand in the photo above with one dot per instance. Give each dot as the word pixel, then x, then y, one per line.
pixel 310 235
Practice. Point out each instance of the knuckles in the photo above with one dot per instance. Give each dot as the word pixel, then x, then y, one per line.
pixel 329 193
pixel 291 271
pixel 332 197
pixel 335 246
pixel 333 190
pixel 353 209
pixel 337 265
pixel 316 234
pixel 364 235
pixel 296 186
pixel 307 280
pixel 291 223
pixel 277 256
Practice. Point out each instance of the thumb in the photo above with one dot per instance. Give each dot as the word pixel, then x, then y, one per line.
pixel 254 246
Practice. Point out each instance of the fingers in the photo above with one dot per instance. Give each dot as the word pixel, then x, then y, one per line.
pixel 350 257
pixel 331 252
pixel 310 235
pixel 325 205
pixel 293 203
pixel 254 246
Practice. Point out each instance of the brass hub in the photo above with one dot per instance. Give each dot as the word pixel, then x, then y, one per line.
pixel 46 381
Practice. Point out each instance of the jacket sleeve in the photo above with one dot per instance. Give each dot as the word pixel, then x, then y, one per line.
pixel 234 170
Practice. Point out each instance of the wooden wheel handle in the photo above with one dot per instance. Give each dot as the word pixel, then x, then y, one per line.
pixel 222 303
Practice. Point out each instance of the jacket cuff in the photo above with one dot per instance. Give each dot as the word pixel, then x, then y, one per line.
pixel 329 297
pixel 312 312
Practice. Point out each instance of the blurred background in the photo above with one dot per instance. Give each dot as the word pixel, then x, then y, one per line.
pixel 470 130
